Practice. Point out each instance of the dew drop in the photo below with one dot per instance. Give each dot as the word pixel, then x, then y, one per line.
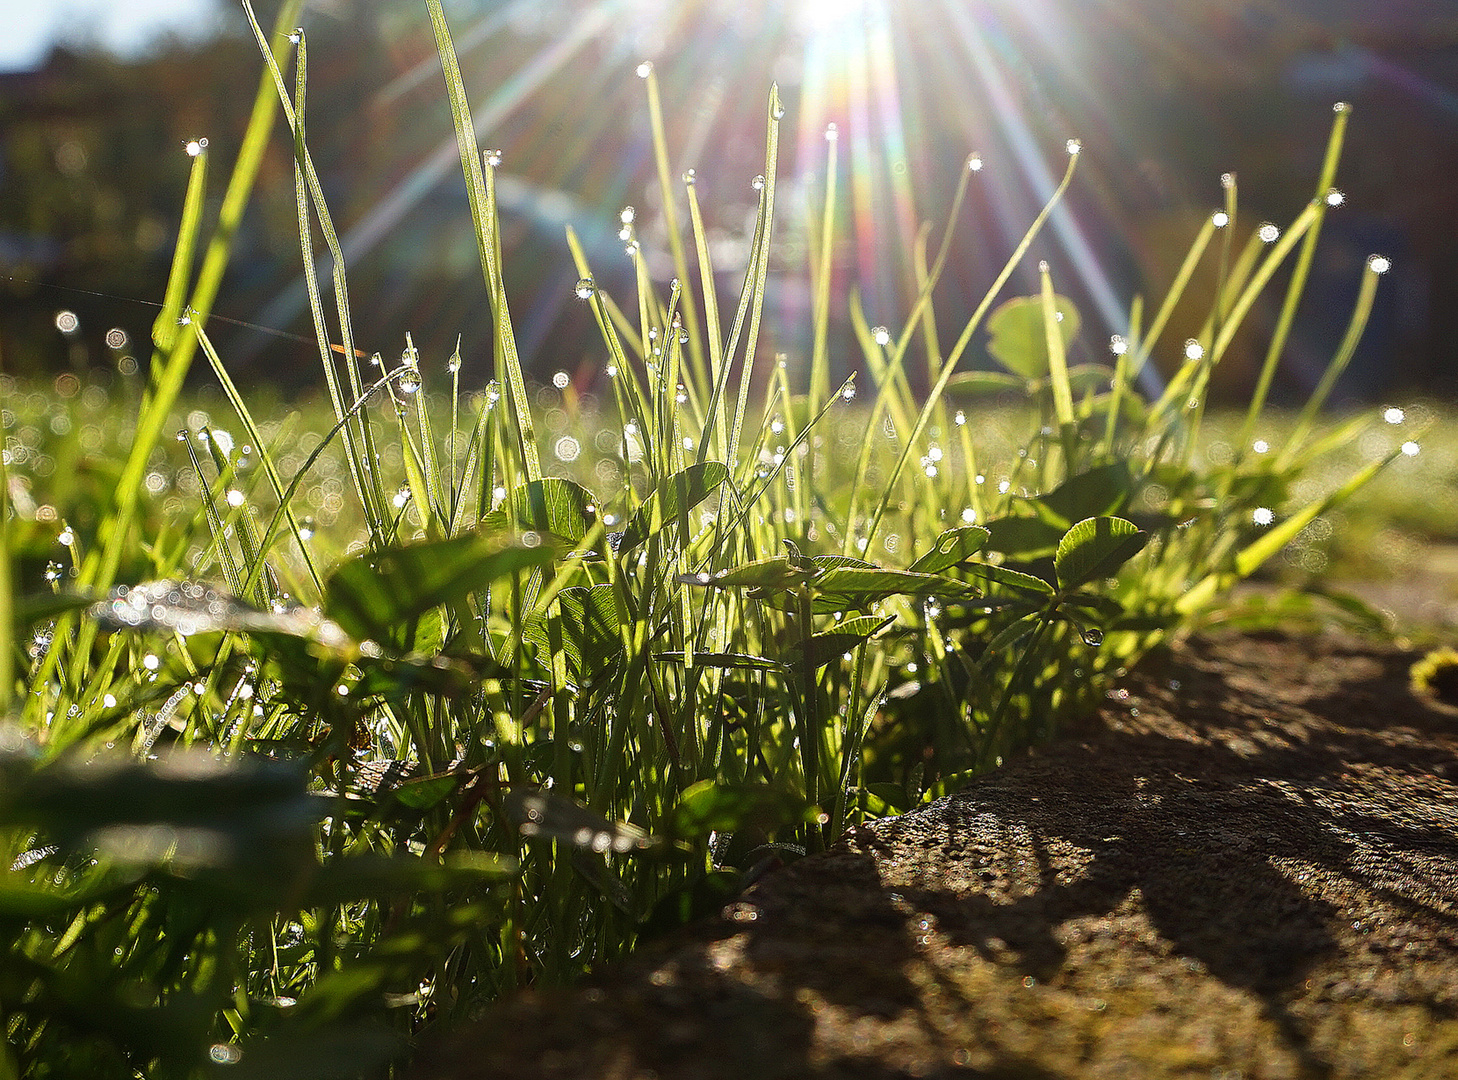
pixel 1268 233
pixel 974 162
pixel 1341 107
pixel 758 182
pixel 832 133
pixel 1073 146
pixel 1394 415
pixel 645 69
pixel 627 215
pixel 1335 197
pixel 492 158
pixel 408 381
pixel 689 177
pixel 881 334
pixel 1093 637
pixel 1193 350
pixel 560 380
pixel 1379 264
pixel 585 288
pixel 1118 345
pixel 1411 449
pixel 196 147
pixel 1220 219
pixel 1227 180
pixel 778 112
pixel 1263 515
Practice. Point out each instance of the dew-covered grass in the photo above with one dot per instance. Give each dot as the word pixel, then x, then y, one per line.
pixel 331 721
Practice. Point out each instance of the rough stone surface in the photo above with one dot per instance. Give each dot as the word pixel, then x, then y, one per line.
pixel 1247 868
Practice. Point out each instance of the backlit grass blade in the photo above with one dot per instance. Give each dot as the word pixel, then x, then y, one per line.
pixel 1250 558
pixel 670 222
pixel 480 190
pixel 1299 273
pixel 760 262
pixel 1172 298
pixel 963 340
pixel 358 439
pixel 1361 312
pixel 265 458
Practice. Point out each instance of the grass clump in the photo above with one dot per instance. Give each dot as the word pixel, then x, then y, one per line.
pixel 271 809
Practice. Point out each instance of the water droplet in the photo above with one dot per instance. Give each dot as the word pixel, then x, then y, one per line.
pixel 225 1053
pixel 758 182
pixel 1093 637
pixel 408 381
pixel 1043 266
pixel 645 69
pixel 1260 446
pixel 1193 350
pixel 1341 107
pixel 1268 233
pixel 66 537
pixel 689 177
pixel 778 112
pixel 1227 180
pixel 627 215
pixel 1394 415
pixel 453 364
pixel 585 288
pixel 492 158
pixel 1411 449
pixel 377 360
pixel 1220 219
pixel 560 380
pixel 832 133
pixel 1263 515
pixel 881 334
pixel 196 147
pixel 296 35
pixel 974 162
pixel 1073 146
pixel 306 528
pixel 1379 264
pixel 1335 197
pixel 1118 345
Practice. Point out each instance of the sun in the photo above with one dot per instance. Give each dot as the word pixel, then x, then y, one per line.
pixel 820 16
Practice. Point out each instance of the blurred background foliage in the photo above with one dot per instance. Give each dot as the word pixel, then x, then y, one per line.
pixel 1165 96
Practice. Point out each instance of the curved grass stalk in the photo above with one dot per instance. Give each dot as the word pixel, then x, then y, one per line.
pixel 1297 285
pixel 963 340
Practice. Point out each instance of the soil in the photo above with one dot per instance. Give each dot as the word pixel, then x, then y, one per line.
pixel 1247 867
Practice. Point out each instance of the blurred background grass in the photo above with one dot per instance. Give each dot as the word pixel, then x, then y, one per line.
pixel 1395 543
